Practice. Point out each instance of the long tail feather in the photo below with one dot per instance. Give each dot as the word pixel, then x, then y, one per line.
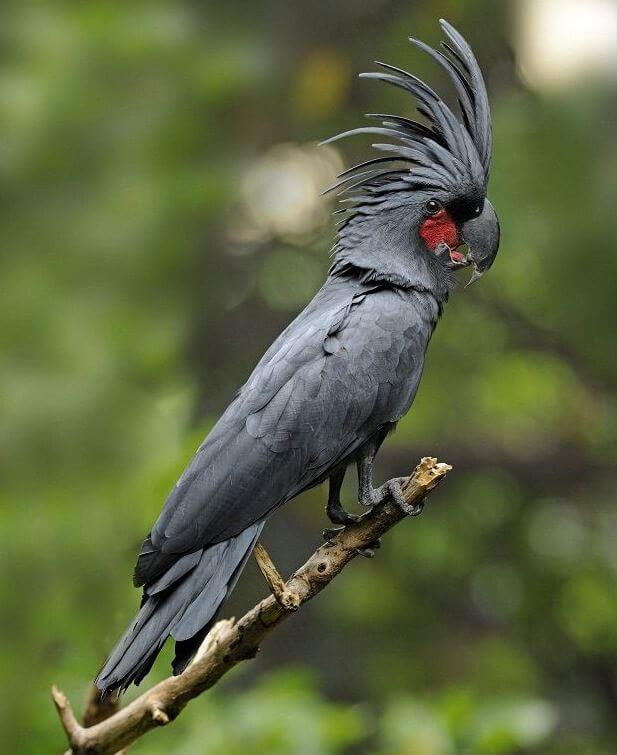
pixel 183 608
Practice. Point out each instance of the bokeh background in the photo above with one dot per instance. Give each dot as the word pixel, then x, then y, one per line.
pixel 161 222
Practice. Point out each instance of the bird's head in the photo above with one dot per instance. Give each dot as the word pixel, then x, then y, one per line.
pixel 420 210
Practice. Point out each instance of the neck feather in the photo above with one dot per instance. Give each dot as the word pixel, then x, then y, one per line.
pixel 379 245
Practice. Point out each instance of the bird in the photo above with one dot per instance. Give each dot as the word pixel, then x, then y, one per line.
pixel 337 380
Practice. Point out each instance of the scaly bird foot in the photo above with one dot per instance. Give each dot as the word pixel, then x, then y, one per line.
pixel 393 489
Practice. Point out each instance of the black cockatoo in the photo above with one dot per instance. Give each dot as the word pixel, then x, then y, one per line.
pixel 338 379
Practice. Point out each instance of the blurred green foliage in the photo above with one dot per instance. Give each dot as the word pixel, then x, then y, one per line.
pixel 139 288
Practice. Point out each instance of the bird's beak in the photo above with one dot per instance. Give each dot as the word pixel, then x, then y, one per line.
pixel 482 237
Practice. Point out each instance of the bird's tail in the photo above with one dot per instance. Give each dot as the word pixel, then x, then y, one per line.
pixel 182 603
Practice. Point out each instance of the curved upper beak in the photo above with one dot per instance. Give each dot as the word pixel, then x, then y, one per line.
pixel 481 235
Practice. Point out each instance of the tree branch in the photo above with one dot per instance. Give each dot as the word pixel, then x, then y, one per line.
pixel 276 583
pixel 98 708
pixel 231 641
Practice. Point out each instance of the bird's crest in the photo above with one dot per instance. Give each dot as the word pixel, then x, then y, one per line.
pixel 443 152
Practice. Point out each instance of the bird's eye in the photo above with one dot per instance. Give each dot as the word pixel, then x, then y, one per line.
pixel 477 211
pixel 432 206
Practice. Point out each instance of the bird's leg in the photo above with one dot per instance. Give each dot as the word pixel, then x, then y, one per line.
pixel 367 494
pixel 334 509
pixel 337 514
pixel 370 496
pixel 365 489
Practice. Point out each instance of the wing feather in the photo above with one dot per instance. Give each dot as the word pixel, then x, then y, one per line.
pixel 347 366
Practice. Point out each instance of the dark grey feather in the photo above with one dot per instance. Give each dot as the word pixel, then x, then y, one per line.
pixel 445 147
pixel 339 376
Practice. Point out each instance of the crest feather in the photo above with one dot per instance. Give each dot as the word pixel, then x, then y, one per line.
pixel 445 150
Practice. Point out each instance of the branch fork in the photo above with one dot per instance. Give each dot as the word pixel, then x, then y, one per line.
pixel 288 600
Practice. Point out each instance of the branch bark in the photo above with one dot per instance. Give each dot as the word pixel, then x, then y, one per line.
pixel 97 708
pixel 230 641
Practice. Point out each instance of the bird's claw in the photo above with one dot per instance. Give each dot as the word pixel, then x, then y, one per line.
pixel 369 551
pixel 338 515
pixel 331 532
pixel 417 509
pixel 373 496
pixel 394 489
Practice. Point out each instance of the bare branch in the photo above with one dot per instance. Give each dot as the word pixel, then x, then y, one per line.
pixel 286 599
pixel 230 641
pixel 69 723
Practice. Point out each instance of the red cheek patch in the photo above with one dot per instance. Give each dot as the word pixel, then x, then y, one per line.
pixel 439 227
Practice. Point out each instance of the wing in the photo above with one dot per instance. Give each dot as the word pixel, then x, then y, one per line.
pixel 350 363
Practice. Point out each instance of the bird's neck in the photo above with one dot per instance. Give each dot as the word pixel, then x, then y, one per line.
pixel 382 248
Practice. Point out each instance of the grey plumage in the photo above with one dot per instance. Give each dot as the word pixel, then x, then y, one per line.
pixel 329 388
pixel 445 151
